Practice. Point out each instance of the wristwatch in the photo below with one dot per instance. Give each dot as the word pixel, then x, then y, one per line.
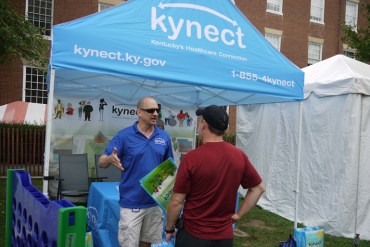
pixel 172 230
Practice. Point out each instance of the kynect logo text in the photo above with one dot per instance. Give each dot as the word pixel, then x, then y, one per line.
pixel 194 29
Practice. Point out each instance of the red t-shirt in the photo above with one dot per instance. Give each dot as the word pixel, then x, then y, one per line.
pixel 181 116
pixel 69 111
pixel 210 176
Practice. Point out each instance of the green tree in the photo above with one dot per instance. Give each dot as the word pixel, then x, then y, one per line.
pixel 20 38
pixel 359 40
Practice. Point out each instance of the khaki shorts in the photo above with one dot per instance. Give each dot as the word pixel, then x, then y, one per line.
pixel 136 225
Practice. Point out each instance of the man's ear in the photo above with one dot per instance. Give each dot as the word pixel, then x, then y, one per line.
pixel 205 124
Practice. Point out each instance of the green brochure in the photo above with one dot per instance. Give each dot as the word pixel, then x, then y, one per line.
pixel 159 182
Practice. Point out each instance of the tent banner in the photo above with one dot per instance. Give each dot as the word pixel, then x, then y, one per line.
pixel 85 122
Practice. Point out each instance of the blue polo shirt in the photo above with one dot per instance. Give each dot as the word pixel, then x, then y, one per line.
pixel 139 156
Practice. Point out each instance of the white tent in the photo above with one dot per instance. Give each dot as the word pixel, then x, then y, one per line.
pixel 317 149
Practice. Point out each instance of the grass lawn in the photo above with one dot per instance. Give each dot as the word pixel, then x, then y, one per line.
pixel 265 229
pixel 259 228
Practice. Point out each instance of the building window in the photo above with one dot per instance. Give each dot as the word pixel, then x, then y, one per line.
pixel 274 6
pixel 34 84
pixel 314 53
pixel 351 14
pixel 104 6
pixel 40 13
pixel 349 53
pixel 317 11
pixel 274 40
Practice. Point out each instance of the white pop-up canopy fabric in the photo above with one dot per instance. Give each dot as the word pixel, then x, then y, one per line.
pixel 184 53
pixel 322 156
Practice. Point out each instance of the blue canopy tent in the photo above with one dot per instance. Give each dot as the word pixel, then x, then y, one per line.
pixel 186 53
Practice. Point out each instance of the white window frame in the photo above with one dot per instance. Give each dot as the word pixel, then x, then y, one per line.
pixel 352 14
pixel 274 6
pixel 349 52
pixel 274 39
pixel 314 52
pixel 41 15
pixel 317 11
pixel 104 6
pixel 34 85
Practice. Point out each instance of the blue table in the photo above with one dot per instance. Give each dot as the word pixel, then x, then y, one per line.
pixel 103 213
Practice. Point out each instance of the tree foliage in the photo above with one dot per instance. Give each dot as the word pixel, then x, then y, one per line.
pixel 20 38
pixel 359 40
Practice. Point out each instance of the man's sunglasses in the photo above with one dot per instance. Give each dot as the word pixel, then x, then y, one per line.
pixel 152 110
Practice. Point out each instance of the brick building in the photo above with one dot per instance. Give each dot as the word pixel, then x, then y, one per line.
pixel 305 31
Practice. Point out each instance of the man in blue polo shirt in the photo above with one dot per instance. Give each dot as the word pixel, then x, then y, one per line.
pixel 137 150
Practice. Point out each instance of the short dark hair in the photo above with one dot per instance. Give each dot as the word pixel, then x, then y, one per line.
pixel 216 131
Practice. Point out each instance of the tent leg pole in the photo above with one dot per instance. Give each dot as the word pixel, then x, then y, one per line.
pixel 298 163
pixel 358 165
pixel 48 132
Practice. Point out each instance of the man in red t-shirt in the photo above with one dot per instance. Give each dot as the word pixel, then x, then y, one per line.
pixel 207 184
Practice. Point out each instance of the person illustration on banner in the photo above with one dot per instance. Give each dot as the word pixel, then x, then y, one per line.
pixel 88 109
pixel 80 109
pixel 136 151
pixel 181 118
pixel 58 109
pixel 188 119
pixel 170 120
pixel 69 110
pixel 101 109
pixel 208 178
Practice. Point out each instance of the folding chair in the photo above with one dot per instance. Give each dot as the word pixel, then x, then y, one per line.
pixel 73 176
pixel 108 174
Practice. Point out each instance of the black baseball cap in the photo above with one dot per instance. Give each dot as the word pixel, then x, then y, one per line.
pixel 216 116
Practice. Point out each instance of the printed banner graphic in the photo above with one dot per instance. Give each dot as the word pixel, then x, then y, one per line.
pixel 86 121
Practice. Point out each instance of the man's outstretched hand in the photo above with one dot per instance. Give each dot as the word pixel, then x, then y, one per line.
pixel 115 160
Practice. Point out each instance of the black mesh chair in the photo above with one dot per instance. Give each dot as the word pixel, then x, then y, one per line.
pixel 109 174
pixel 73 176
